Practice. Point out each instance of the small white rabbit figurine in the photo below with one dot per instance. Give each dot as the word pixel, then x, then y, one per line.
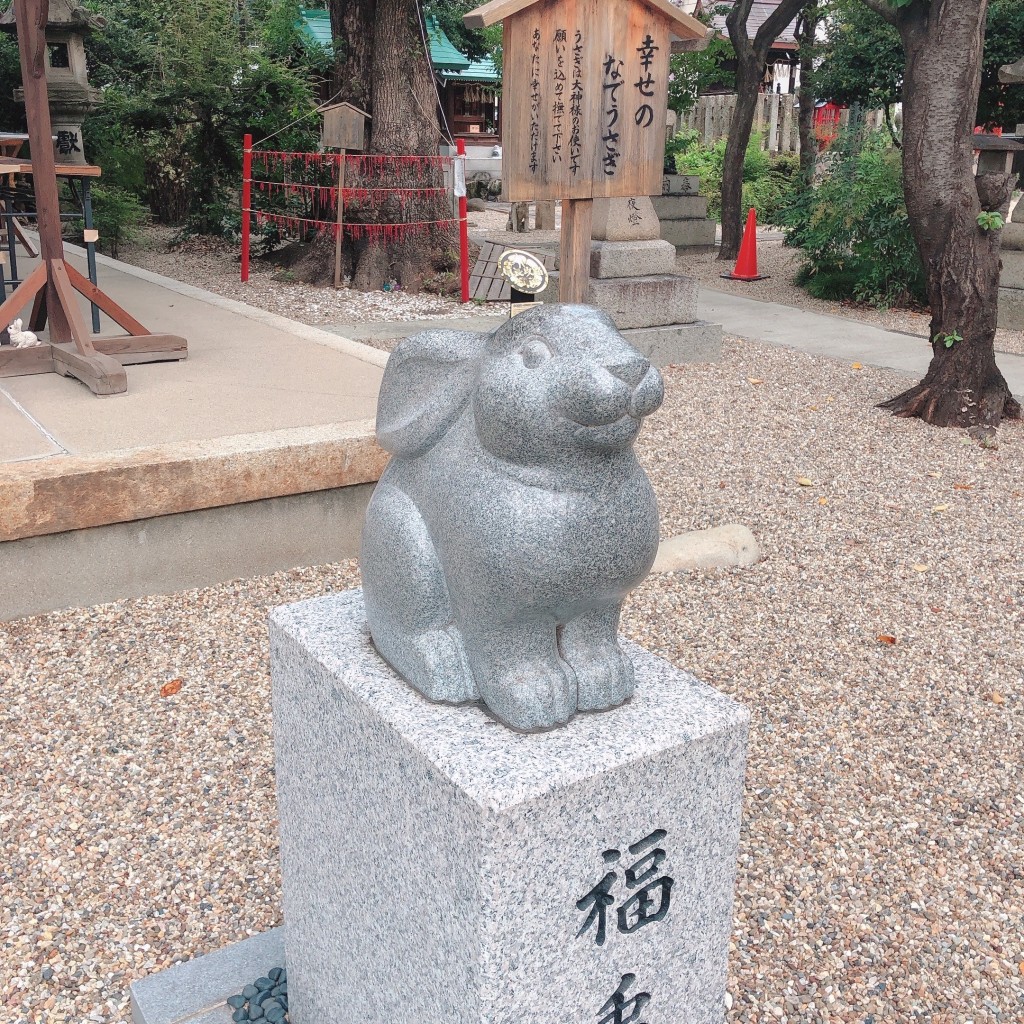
pixel 20 338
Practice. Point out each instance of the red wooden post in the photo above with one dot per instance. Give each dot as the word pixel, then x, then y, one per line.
pixel 460 149
pixel 246 202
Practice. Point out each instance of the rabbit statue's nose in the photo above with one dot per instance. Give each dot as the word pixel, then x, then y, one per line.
pixel 630 372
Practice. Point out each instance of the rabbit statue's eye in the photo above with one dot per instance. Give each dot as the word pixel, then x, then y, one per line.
pixel 535 353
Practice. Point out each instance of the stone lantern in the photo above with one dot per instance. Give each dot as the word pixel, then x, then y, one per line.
pixel 72 98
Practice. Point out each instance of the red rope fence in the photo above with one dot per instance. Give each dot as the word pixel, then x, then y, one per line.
pixel 298 194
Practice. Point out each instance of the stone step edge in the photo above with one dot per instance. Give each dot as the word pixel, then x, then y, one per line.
pixel 74 492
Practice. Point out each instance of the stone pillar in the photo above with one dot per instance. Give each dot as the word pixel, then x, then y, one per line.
pixel 545 220
pixel 439 868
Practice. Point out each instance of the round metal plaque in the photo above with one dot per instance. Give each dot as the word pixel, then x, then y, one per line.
pixel 524 271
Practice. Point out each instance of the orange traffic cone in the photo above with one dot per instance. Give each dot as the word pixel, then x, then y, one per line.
pixel 746 265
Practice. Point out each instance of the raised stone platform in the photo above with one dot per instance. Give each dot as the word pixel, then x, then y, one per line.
pixel 439 867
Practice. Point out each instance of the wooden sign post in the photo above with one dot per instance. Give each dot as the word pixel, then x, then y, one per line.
pixel 344 130
pixel 585 85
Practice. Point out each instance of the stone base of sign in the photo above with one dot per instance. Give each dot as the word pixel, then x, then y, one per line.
pixel 1011 309
pixel 439 867
pixel 652 301
pixel 680 207
pixel 689 234
pixel 631 259
pixel 624 220
pixel 680 185
pixel 196 992
pixel 699 342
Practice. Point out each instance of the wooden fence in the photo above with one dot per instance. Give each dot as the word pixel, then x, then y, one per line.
pixel 776 116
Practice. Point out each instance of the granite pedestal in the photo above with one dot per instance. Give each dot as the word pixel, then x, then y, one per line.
pixel 439 868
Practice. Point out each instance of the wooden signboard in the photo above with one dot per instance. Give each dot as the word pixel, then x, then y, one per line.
pixel 585 88
pixel 585 84
pixel 344 127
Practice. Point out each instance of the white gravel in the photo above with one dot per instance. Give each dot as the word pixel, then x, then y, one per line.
pixel 881 873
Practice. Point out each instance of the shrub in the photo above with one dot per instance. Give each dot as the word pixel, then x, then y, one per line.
pixel 768 181
pixel 853 228
pixel 117 216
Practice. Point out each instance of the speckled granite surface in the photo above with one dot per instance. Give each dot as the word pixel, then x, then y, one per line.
pixel 440 868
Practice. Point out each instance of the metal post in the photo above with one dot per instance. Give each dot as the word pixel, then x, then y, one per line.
pixel 90 248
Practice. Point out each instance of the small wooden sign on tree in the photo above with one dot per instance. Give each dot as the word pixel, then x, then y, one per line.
pixel 585 86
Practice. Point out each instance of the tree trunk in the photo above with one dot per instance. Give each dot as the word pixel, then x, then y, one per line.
pixel 963 386
pixel 748 80
pixel 383 68
pixel 807 30
pixel 352 25
pixel 750 60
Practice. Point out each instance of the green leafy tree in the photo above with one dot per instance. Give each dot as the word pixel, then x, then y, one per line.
pixel 692 73
pixel 183 81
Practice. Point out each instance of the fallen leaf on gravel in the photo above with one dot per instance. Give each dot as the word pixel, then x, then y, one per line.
pixel 171 688
pixel 963 487
pixel 934 474
pixel 823 501
pixel 921 568
pixel 856 366
pixel 941 508
pixel 803 481
pixel 886 638
pixel 755 380
pixel 935 608
pixel 996 697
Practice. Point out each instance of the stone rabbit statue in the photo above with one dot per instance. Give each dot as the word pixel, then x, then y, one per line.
pixel 514 516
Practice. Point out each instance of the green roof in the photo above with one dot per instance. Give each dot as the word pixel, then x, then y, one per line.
pixel 443 54
pixel 479 71
pixel 315 27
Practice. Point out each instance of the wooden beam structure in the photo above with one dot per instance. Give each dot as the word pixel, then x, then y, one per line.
pixel 69 350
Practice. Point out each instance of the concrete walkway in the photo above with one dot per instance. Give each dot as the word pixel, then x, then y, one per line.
pixel 833 336
pixel 247 371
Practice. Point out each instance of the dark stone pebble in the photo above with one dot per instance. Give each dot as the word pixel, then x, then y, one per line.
pixel 236 1002
pixel 263 996
pixel 270 1004
pixel 275 1015
pixel 284 1002
pixel 277 990
pixel 275 974
pixel 47 973
pixel 240 1015
pixel 249 991
pixel 263 984
pixel 256 1012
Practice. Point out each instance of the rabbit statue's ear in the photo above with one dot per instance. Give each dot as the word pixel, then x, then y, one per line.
pixel 426 384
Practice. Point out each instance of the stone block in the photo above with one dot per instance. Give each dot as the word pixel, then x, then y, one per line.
pixel 1011 309
pixel 680 207
pixel 624 220
pixel 646 301
pixel 196 992
pixel 631 259
pixel 698 342
pixel 1013 236
pixel 687 234
pixel 440 868
pixel 722 547
pixel 1012 274
pixel 680 185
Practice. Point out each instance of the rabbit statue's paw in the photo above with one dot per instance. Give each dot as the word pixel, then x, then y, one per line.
pixel 604 677
pixel 536 693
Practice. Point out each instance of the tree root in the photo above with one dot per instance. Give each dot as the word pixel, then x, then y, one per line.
pixel 942 406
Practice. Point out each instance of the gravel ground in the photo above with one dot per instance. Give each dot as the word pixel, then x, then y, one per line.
pixel 881 873
pixel 781 264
